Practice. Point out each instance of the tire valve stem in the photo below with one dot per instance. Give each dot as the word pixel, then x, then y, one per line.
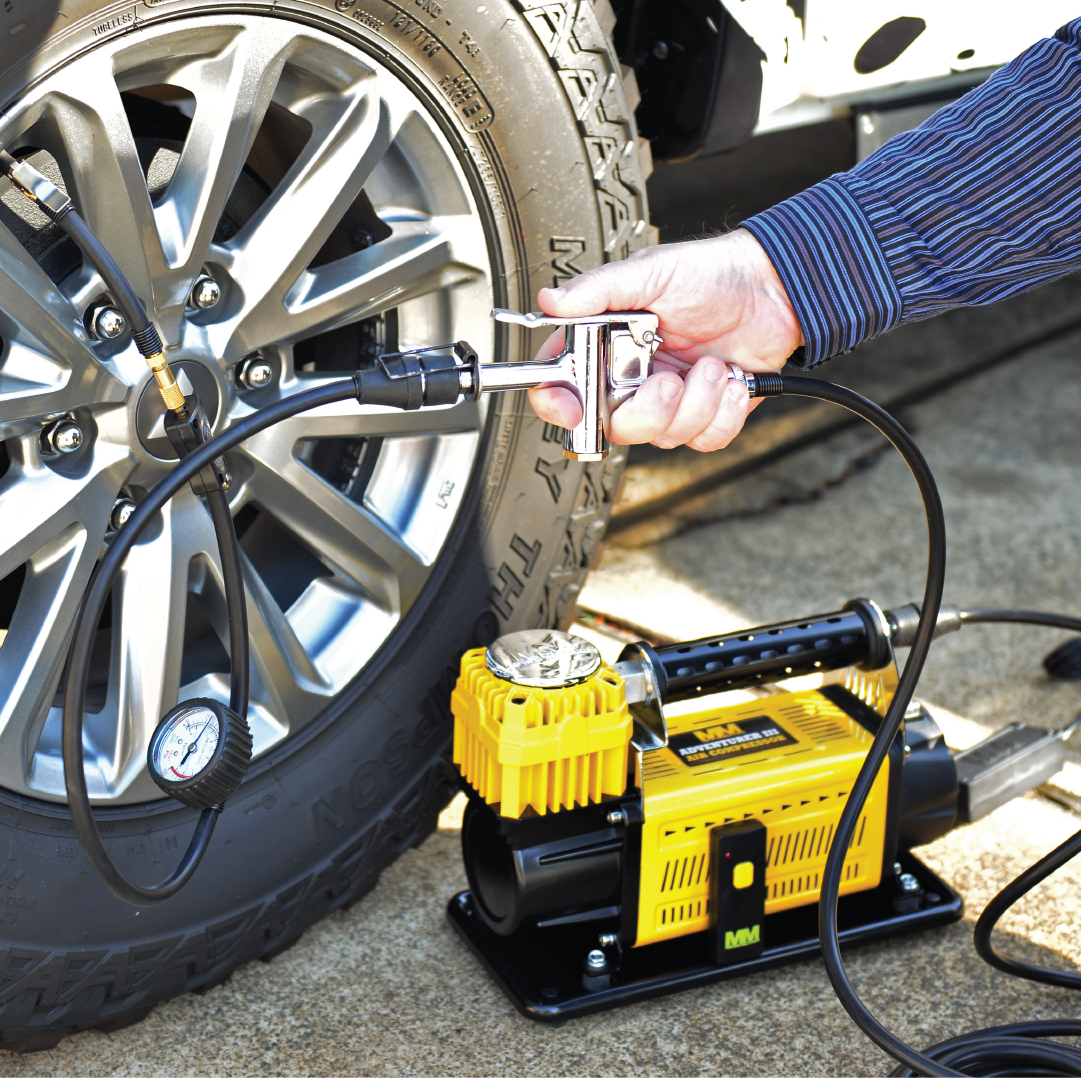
pixel 56 205
pixel 170 392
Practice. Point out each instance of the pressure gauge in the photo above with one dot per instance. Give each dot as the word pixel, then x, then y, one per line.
pixel 200 752
pixel 544 658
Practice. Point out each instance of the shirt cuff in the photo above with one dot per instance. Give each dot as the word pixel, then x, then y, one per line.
pixel 832 267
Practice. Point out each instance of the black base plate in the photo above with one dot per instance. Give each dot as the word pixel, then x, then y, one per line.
pixel 542 971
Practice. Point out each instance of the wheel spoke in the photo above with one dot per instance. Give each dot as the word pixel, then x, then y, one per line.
pixel 419 257
pixel 46 366
pixel 351 131
pixel 233 87
pixel 37 504
pixel 98 157
pixel 33 655
pixel 344 535
pixel 285 681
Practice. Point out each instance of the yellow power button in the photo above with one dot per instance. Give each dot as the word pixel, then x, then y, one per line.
pixel 742 875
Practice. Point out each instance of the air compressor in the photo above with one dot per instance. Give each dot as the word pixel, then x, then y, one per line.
pixel 617 849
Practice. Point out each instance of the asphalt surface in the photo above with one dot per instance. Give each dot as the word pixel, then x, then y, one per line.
pixel 387 988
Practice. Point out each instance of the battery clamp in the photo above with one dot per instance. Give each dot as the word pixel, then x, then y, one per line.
pixel 619 848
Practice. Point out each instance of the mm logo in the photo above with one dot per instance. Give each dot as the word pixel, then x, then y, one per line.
pixel 738 938
pixel 718 731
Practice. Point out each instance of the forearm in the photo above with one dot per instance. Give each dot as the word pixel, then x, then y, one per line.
pixel 980 202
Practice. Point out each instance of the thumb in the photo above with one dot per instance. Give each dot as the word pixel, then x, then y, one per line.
pixel 622 286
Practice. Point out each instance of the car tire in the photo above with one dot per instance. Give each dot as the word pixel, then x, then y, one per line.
pixel 534 102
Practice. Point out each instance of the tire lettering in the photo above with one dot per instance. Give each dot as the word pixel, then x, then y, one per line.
pixel 512 586
pixel 527 554
pixel 552 471
pixel 18 901
pixel 567 249
pixel 369 21
pixel 411 29
pixel 396 752
pixel 463 93
pixel 328 811
pixel 10 878
pixel 365 784
pixel 113 24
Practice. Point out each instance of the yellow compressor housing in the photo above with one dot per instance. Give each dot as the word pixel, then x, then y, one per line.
pixel 787 759
pixel 526 749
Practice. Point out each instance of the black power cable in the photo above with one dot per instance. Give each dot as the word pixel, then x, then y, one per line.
pixel 1010 1050
pixel 1019 615
pixel 891 724
pixel 1064 661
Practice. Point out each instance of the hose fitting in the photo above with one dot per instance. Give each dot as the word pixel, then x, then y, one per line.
pixel 58 207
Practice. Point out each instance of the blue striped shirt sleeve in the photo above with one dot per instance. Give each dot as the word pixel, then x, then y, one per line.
pixel 980 202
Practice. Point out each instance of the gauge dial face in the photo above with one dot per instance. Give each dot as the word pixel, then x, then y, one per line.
pixel 187 744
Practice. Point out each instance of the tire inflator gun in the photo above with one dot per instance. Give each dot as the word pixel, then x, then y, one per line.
pixel 683 845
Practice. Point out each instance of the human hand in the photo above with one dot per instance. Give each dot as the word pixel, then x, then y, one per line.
pixel 719 300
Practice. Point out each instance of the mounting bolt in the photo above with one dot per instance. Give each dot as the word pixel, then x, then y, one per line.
pixel 205 293
pixel 908 883
pixel 596 959
pixel 122 509
pixel 608 940
pixel 254 373
pixel 62 437
pixel 106 322
pixel 660 50
pixel 617 817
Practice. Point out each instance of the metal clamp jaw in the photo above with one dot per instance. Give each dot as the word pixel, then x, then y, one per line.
pixel 604 360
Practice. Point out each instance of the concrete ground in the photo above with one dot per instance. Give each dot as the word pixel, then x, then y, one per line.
pixel 790 521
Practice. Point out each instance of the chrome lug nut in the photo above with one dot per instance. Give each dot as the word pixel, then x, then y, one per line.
pixel 254 373
pixel 107 323
pixel 205 293
pixel 122 510
pixel 617 817
pixel 596 959
pixel 62 437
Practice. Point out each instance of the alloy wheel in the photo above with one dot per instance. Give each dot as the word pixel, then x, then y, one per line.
pixel 320 195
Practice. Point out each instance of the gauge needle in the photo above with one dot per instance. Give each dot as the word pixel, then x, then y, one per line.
pixel 194 743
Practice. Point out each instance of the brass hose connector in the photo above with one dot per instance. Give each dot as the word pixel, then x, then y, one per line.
pixel 171 394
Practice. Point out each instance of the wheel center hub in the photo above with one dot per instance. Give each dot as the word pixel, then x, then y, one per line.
pixel 191 376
